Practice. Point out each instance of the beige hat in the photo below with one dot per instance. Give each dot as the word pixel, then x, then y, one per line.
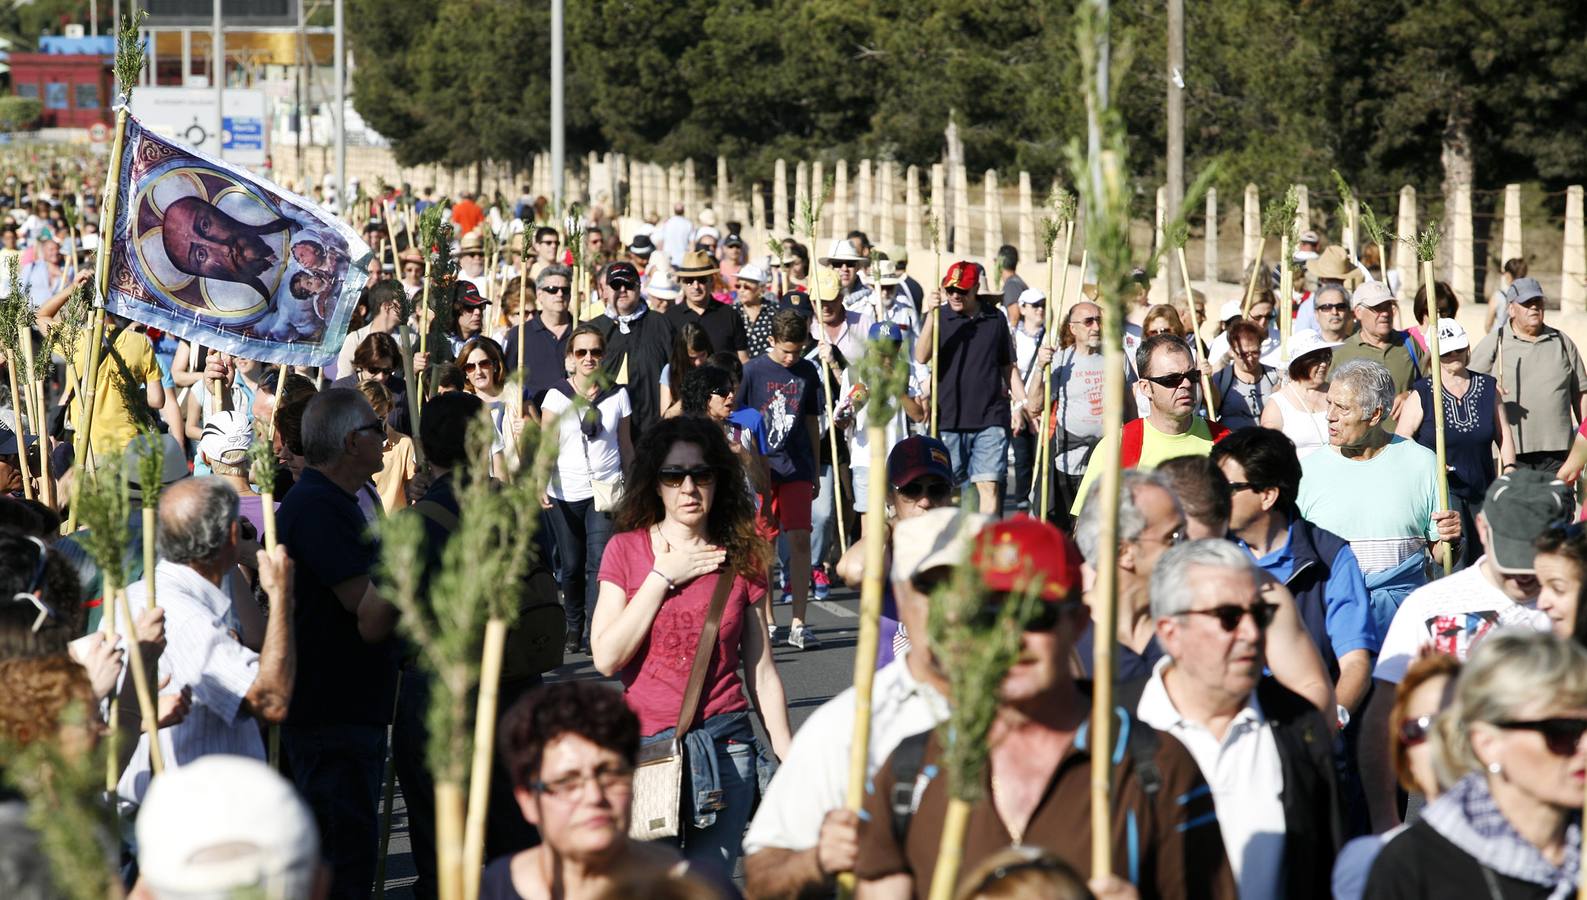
pixel 696 263
pixel 1334 264
pixel 887 273
pixel 471 241
pixel 843 251
pixel 662 287
pixel 1373 293
pixel 939 537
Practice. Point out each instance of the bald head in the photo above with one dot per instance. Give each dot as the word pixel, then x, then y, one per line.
pixel 196 518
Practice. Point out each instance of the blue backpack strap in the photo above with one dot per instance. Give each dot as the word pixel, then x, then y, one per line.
pixel 1410 347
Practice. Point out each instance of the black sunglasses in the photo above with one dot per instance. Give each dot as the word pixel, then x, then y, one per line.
pixel 554 289
pixel 673 476
pixel 1561 735
pixel 1413 732
pixel 1229 615
pixel 934 488
pixel 1236 487
pixel 1332 307
pixel 1043 617
pixel 1088 321
pixel 722 392
pixel 1172 379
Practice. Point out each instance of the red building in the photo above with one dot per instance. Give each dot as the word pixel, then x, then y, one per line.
pixel 72 77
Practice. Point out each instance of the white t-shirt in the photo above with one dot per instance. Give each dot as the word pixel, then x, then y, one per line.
pixel 1452 614
pixel 570 477
pixel 897 427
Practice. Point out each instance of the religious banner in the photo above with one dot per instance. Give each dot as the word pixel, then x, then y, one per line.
pixel 219 257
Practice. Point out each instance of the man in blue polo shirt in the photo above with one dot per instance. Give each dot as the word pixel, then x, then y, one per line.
pixel 545 335
pixel 1317 566
pixel 974 381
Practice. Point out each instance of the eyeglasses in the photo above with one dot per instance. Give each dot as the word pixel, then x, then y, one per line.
pixel 616 780
pixel 482 364
pixel 1229 615
pixel 1332 307
pixel 582 352
pixel 554 289
pixel 1087 322
pixel 375 427
pixel 934 488
pixel 1413 732
pixel 1172 379
pixel 844 264
pixel 1262 317
pixel 1561 735
pixel 673 476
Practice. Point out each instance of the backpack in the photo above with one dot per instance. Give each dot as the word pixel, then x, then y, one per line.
pixel 534 642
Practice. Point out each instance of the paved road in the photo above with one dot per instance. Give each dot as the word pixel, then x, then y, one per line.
pixel 810 678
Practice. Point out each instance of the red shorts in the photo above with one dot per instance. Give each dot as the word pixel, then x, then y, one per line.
pixel 790 504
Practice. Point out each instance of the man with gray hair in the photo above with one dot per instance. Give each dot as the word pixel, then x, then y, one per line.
pixel 206 599
pixel 545 335
pixel 1263 749
pixel 1375 490
pixel 1150 522
pixel 335 732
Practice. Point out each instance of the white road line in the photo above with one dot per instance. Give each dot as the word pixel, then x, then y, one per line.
pixel 842 612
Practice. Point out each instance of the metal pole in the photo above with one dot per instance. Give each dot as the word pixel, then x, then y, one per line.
pixel 556 106
pixel 93 18
pixel 1176 127
pixel 218 73
pixel 340 74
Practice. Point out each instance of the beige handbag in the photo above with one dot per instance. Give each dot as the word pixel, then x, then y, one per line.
pixel 657 811
pixel 606 493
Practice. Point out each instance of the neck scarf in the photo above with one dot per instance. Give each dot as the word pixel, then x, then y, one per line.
pixel 1470 819
pixel 624 321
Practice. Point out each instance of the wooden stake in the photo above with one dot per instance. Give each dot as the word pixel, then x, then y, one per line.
pixel 1195 333
pixel 449 839
pixel 146 705
pixel 1044 440
pixel 945 875
pixel 1436 375
pixel 484 747
pixel 1250 286
pixel 150 524
pixel 1286 300
pixel 17 408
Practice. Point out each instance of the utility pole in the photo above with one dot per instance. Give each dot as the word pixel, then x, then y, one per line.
pixel 1176 128
pixel 218 54
pixel 557 148
pixel 344 197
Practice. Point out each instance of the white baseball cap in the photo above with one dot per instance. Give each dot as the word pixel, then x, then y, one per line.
pixel 226 824
pixel 1452 337
pixel 938 537
pixel 227 436
pixel 1307 341
pixel 1233 309
pixel 753 272
pixel 1032 297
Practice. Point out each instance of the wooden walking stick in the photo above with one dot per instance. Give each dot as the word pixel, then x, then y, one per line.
pixel 810 217
pixel 1176 239
pixel 13 313
pixel 151 464
pixel 523 284
pixel 934 228
pixel 1250 285
pixel 885 381
pixel 1426 245
pixel 262 457
pixel 1063 209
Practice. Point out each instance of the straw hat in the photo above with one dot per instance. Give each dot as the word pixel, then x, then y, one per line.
pixel 1333 264
pixel 472 242
pixel 887 273
pixel 695 264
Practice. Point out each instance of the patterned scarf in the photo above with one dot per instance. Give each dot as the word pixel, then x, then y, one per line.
pixel 1468 817
pixel 623 321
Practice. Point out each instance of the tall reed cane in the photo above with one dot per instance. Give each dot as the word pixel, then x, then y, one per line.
pixel 15 313
pixel 1250 284
pixel 21 434
pixel 1286 300
pixel 934 228
pixel 1195 328
pixel 263 459
pixel 1055 315
pixel 811 216
pixel 1426 248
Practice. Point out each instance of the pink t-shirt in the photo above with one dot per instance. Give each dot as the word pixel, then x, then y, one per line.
pixel 654 680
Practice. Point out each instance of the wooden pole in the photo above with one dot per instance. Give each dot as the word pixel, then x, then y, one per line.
pixel 17 408
pixel 1256 270
pixel 870 624
pixel 945 875
pixel 150 524
pixel 1054 303
pixel 1436 375
pixel 151 713
pixel 936 332
pixel 1286 300
pixel 1195 330
pixel 484 747
pixel 449 839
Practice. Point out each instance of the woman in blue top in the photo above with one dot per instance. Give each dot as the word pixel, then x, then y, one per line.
pixel 1474 422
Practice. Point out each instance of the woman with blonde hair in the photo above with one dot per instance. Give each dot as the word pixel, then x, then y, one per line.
pixel 1511 750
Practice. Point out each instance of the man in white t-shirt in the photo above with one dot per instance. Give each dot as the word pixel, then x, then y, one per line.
pixel 1453 614
pixel 911 408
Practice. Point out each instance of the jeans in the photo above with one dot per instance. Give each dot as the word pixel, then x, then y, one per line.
pixel 581 534
pixel 1025 480
pixel 823 524
pixel 719 794
pixel 337 769
pixel 860 477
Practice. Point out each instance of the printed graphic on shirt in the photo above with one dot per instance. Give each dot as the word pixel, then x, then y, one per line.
pixel 1457 635
pixel 781 411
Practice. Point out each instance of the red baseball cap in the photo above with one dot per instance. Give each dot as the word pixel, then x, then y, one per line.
pixel 1011 552
pixel 966 276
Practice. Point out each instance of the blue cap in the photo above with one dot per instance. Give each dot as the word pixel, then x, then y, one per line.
pixel 887 331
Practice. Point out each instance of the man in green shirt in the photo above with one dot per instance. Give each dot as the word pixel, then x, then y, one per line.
pixel 1543 405
pixel 1378 341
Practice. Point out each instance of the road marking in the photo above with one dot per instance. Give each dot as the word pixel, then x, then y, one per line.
pixel 842 612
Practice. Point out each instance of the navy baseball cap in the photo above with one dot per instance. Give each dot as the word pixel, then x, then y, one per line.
pixel 799 302
pixel 916 457
pixel 468 295
pixel 887 331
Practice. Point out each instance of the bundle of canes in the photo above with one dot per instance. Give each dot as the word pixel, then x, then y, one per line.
pixel 450 618
pixel 151 468
pixel 1426 246
pixel 105 508
pixel 884 381
pixel 16 320
pixel 1177 234
pixel 129 67
pixel 1062 219
pixel 573 227
pixel 934 230
pixel 809 220
pixel 975 654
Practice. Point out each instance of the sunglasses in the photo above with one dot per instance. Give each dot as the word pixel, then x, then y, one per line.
pixel 482 364
pixel 1088 321
pixel 472 253
pixel 956 292
pixel 1413 732
pixel 695 280
pixel 1044 617
pixel 582 352
pixel 1262 317
pixel 1229 615
pixel 377 373
pixel 1332 307
pixel 673 476
pixel 934 488
pixel 1561 735
pixel 1172 379
pixel 554 289
pixel 722 392
pixel 1236 487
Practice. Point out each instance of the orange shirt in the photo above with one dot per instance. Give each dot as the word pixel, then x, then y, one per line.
pixel 466 215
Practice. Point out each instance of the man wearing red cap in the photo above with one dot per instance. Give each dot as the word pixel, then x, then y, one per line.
pixel 1165 830
pixel 975 379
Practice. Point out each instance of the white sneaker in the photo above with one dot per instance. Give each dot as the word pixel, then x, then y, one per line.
pixel 771 635
pixel 801 637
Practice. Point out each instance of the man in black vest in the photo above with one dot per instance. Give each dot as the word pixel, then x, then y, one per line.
pixel 638 344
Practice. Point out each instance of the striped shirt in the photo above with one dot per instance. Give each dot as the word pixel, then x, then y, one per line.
pixel 201 654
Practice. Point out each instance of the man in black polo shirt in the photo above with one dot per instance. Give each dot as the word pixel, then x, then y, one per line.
pixel 974 381
pixel 638 345
pixel 335 732
pixel 719 321
pixel 545 335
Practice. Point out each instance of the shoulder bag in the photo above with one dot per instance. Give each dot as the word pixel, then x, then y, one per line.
pixel 658 781
pixel 606 491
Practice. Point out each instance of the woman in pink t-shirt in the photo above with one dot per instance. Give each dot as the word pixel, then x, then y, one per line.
pixel 684 523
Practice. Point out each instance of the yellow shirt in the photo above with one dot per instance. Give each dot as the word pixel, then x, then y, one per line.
pixel 397 468
pixel 131 356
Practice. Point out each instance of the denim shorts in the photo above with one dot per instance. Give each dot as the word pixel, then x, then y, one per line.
pixel 978 455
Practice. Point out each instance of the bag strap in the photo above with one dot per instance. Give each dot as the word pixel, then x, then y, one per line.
pixel 438 514
pixel 702 653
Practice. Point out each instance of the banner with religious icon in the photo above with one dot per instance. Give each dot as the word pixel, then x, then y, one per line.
pixel 219 257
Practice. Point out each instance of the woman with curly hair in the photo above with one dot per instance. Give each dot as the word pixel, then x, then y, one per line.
pixel 684 523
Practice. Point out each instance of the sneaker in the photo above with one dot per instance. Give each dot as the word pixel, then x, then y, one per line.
pixel 820 585
pixel 571 645
pixel 801 637
pixel 771 635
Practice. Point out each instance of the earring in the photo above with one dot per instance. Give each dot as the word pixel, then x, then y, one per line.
pixel 1495 769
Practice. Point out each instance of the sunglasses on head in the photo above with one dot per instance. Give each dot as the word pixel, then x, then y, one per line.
pixel 1229 615
pixel 1413 732
pixel 673 476
pixel 1562 735
pixel 934 488
pixel 1172 379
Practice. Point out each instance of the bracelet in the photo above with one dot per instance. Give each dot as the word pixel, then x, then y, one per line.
pixel 670 585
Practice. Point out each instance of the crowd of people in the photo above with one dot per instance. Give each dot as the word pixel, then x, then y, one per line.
pixel 1332 678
